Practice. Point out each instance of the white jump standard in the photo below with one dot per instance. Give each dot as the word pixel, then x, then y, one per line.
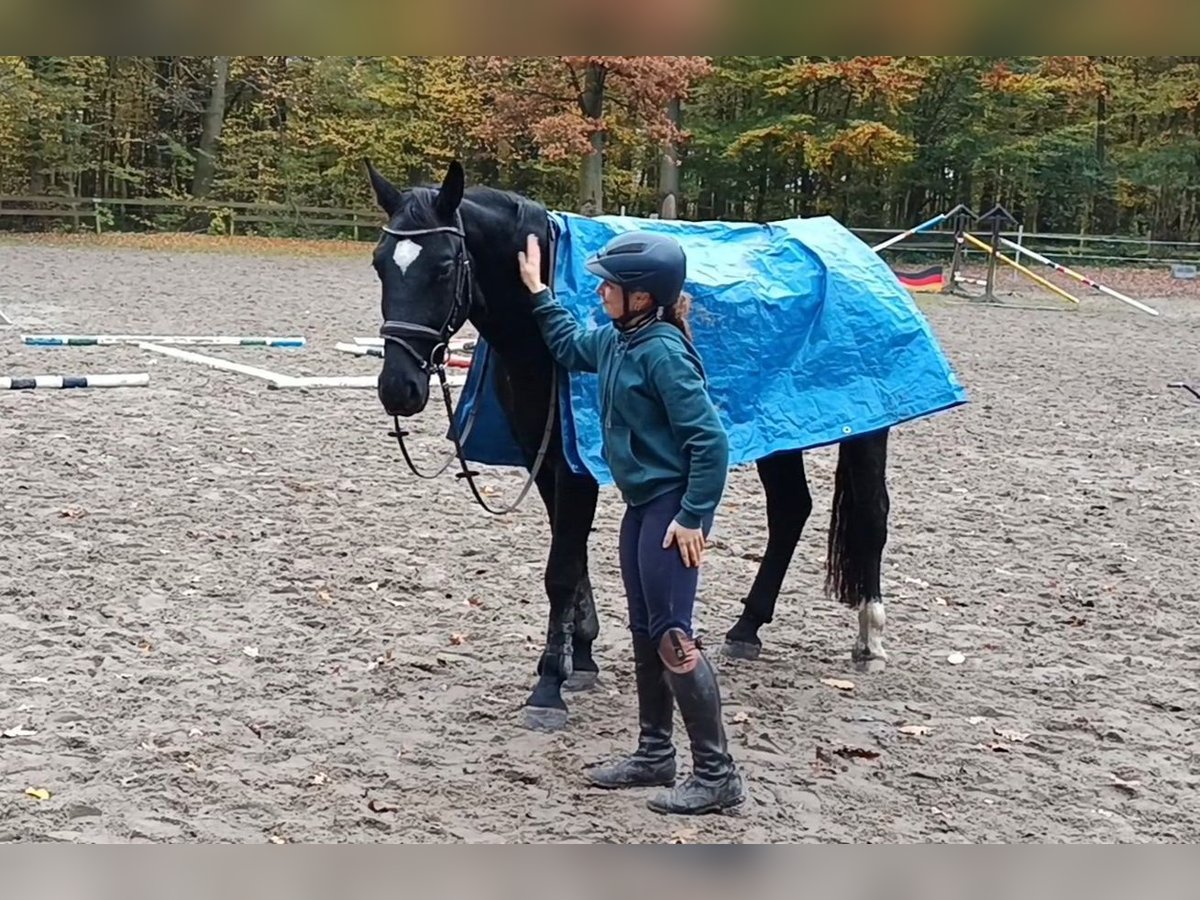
pixel 32 382
pixel 213 340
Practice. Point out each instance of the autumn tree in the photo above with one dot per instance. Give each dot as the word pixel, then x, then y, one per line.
pixel 571 107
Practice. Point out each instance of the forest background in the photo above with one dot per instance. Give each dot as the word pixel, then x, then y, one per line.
pixel 1090 145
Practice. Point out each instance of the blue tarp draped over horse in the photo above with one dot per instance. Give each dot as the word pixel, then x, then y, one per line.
pixel 807 337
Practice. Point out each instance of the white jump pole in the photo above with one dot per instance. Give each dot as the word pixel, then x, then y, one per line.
pixel 31 382
pixel 359 349
pixel 368 382
pixel 455 344
pixel 214 363
pixel 1079 277
pixel 214 340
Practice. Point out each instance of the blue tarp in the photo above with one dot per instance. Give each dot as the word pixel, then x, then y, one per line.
pixel 807 338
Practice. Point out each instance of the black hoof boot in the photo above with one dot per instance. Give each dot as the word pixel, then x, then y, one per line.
pixel 715 784
pixel 653 763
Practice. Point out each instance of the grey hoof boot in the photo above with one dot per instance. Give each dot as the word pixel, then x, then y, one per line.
pixel 653 763
pixel 715 784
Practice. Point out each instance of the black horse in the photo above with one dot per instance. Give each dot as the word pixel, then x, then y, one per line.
pixel 448 256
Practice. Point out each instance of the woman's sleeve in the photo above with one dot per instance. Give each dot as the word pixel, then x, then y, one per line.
pixel 574 347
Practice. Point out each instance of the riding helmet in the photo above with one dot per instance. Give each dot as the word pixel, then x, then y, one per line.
pixel 642 261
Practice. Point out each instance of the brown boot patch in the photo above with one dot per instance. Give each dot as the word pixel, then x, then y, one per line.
pixel 679 652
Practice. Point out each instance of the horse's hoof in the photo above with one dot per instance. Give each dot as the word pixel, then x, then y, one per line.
pixel 742 650
pixel 543 718
pixel 581 681
pixel 867 662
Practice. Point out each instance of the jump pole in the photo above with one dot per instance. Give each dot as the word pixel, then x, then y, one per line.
pixel 1053 288
pixel 30 382
pixel 368 382
pixel 924 226
pixel 456 344
pixel 102 340
pixel 214 363
pixel 377 352
pixel 1079 277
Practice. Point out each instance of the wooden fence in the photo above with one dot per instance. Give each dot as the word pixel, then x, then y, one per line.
pixel 151 214
pixel 285 220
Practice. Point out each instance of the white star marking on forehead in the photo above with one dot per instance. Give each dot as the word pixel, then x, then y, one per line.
pixel 405 254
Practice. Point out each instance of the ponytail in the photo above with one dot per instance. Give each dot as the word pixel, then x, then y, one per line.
pixel 677 314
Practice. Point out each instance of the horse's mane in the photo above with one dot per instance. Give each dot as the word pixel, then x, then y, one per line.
pixel 528 214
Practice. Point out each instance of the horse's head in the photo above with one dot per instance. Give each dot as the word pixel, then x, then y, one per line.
pixel 424 271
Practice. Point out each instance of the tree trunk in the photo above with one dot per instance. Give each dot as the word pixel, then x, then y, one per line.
pixel 591 169
pixel 668 170
pixel 214 119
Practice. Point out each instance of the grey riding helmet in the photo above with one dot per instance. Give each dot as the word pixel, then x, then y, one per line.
pixel 642 261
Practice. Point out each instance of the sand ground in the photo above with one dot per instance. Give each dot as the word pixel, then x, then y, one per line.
pixel 230 614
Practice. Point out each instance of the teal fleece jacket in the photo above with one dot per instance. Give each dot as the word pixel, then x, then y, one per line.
pixel 660 428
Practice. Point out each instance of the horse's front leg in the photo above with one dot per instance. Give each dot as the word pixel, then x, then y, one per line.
pixel 569 593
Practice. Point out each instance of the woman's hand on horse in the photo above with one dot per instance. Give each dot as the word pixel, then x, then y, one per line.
pixel 529 262
pixel 689 540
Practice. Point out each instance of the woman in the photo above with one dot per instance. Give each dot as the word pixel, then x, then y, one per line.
pixel 669 455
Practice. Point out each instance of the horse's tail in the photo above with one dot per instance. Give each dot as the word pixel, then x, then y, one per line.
pixel 858 521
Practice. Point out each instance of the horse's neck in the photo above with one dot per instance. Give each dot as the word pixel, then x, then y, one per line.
pixel 504 319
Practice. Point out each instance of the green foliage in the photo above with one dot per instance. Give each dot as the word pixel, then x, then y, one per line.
pixel 1099 143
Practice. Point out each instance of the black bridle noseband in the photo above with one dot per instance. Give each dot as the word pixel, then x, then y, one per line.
pixel 400 333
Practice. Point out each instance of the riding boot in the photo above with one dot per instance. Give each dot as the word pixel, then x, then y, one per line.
pixel 653 763
pixel 715 784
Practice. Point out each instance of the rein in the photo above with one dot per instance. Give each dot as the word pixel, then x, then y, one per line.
pixel 400 332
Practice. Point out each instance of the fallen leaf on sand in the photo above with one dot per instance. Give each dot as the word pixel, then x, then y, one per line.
pixel 956 659
pixel 995 748
pixel 1016 737
pixel 324 597
pixel 915 730
pixel 838 683
pixel 457 639
pixel 73 512
pixel 857 753
pixel 38 793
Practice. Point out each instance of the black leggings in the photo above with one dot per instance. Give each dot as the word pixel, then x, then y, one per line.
pixel 660 589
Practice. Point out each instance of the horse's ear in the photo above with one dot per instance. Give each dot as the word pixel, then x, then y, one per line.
pixel 451 193
pixel 385 192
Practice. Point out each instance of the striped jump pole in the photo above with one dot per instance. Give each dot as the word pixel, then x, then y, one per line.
pixel 209 340
pixel 31 382
pixel 1078 276
pixel 1053 288
pixel 924 226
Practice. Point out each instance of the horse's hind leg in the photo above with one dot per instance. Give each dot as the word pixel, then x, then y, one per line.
pixel 857 536
pixel 789 504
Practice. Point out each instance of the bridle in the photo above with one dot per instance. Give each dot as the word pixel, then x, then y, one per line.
pixel 399 332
